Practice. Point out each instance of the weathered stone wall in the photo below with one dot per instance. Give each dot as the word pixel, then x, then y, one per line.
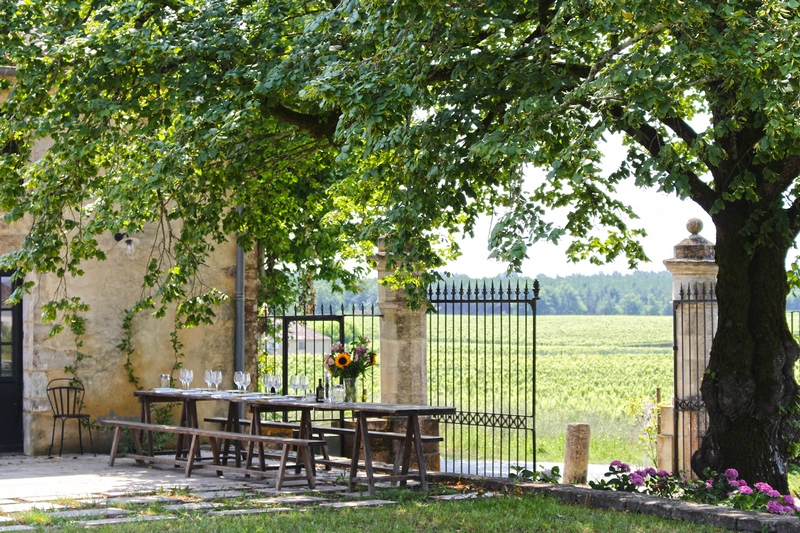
pixel 109 287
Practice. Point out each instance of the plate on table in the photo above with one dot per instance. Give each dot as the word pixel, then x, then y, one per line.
pixel 165 389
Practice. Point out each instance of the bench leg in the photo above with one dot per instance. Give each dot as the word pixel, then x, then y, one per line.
pixel 114 444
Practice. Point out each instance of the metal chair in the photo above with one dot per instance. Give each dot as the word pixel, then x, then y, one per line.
pixel 66 399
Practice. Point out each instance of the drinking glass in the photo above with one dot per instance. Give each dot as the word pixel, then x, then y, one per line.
pixel 303 384
pixel 182 377
pixel 294 383
pixel 245 381
pixel 189 377
pixel 238 378
pixel 208 377
pixel 278 381
pixel 269 383
pixel 217 379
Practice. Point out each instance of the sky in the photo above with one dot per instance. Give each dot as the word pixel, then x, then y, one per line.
pixel 662 216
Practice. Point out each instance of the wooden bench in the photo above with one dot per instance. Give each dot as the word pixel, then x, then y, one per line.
pixel 302 447
pixel 320 431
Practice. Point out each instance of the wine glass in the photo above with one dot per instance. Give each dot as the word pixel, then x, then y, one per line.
pixel 182 377
pixel 303 382
pixel 269 383
pixel 245 381
pixel 238 378
pixel 277 382
pixel 217 379
pixel 294 383
pixel 189 377
pixel 208 377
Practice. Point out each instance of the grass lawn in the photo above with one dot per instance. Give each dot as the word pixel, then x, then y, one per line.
pixel 416 513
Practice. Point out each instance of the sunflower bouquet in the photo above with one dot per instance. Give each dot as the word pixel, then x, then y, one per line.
pixel 352 362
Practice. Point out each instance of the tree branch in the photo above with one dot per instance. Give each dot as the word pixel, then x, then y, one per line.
pixel 317 126
pixel 648 137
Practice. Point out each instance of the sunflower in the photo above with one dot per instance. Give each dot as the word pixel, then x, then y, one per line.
pixel 342 360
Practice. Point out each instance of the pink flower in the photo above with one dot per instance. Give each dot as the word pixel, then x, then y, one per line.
pixel 765 488
pixel 709 484
pixel 775 507
pixel 620 465
pixel 744 489
pixel 787 500
pixel 731 474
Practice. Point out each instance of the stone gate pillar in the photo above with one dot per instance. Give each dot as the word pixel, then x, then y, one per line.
pixel 402 359
pixel 694 276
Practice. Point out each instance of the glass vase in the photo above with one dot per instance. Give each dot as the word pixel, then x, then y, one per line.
pixel 350 390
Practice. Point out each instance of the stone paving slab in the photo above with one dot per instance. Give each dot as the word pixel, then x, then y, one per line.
pixel 143 499
pixel 213 495
pixel 124 520
pixel 17 528
pixel 236 512
pixel 192 506
pixel 7 501
pixel 294 500
pixel 108 512
pixel 29 506
pixel 362 503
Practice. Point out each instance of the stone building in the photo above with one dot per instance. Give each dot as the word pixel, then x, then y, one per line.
pixel 31 358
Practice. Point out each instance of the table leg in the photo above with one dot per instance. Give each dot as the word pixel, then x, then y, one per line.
pixel 362 434
pixel 305 433
pixel 413 421
pixel 146 418
pixel 354 460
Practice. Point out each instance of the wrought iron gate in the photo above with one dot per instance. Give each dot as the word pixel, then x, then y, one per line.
pixel 482 360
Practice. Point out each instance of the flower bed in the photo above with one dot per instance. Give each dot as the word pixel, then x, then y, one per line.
pixel 724 489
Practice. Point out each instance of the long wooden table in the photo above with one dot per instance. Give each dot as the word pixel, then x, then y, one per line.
pixel 361 411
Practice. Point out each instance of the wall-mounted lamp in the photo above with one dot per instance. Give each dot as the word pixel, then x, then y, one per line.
pixel 128 242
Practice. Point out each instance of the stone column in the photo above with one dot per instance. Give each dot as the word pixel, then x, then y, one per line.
pixel 403 346
pixel 694 275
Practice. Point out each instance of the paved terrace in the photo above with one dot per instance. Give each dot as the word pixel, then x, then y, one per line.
pixel 54 485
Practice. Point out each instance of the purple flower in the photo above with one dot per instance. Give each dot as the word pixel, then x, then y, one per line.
pixel 620 465
pixel 765 488
pixel 775 507
pixel 650 471
pixel 731 474
pixel 744 489
pixel 637 480
pixel 663 473
pixel 709 484
pixel 787 500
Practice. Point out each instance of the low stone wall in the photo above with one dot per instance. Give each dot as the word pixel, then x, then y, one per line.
pixel 712 515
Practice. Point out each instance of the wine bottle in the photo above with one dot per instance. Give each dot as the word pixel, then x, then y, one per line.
pixel 320 392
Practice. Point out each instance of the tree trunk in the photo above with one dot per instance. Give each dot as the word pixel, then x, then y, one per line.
pixel 749 388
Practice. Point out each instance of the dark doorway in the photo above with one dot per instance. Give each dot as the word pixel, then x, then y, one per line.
pixel 10 369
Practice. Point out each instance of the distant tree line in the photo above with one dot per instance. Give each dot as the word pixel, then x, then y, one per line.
pixel 636 293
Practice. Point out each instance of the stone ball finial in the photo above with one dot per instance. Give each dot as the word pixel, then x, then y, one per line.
pixel 694 225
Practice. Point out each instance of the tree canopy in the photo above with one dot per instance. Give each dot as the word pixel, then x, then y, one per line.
pixel 331 123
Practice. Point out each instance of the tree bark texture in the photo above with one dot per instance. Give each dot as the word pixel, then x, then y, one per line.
pixel 749 388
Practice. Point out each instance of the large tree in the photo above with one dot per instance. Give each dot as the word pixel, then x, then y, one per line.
pixel 411 118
